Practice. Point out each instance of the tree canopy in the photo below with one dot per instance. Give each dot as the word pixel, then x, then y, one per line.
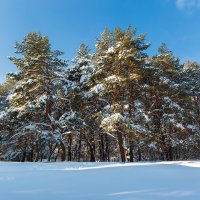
pixel 115 104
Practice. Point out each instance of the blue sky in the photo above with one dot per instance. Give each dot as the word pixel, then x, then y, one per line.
pixel 68 23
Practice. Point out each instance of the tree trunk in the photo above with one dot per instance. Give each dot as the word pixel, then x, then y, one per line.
pixel 121 147
pixel 92 155
pixel 23 156
pixel 37 153
pixel 170 153
pixel 131 151
pixel 107 148
pixel 91 149
pixel 63 153
pixel 30 156
pixel 70 148
pixel 79 147
pixel 102 148
pixel 139 154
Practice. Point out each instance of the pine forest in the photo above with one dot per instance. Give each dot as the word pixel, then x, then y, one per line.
pixel 114 103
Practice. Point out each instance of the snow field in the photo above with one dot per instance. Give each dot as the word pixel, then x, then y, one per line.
pixel 100 181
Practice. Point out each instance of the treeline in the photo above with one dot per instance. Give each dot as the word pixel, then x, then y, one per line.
pixel 116 104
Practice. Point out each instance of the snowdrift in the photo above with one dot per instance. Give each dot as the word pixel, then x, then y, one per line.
pixel 100 181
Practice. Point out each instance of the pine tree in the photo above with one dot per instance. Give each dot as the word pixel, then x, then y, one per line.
pixel 34 96
pixel 164 100
pixel 119 59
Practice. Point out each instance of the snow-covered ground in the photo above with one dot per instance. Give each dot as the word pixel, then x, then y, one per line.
pixel 100 181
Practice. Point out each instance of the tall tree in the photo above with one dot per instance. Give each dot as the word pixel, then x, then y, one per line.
pixel 34 96
pixel 119 59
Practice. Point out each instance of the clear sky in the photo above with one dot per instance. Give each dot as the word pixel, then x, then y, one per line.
pixel 71 22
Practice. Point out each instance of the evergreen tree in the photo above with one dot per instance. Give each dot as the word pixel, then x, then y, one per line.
pixel 34 96
pixel 119 59
pixel 164 100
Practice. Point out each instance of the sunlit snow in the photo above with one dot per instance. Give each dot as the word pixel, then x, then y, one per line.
pixel 100 181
